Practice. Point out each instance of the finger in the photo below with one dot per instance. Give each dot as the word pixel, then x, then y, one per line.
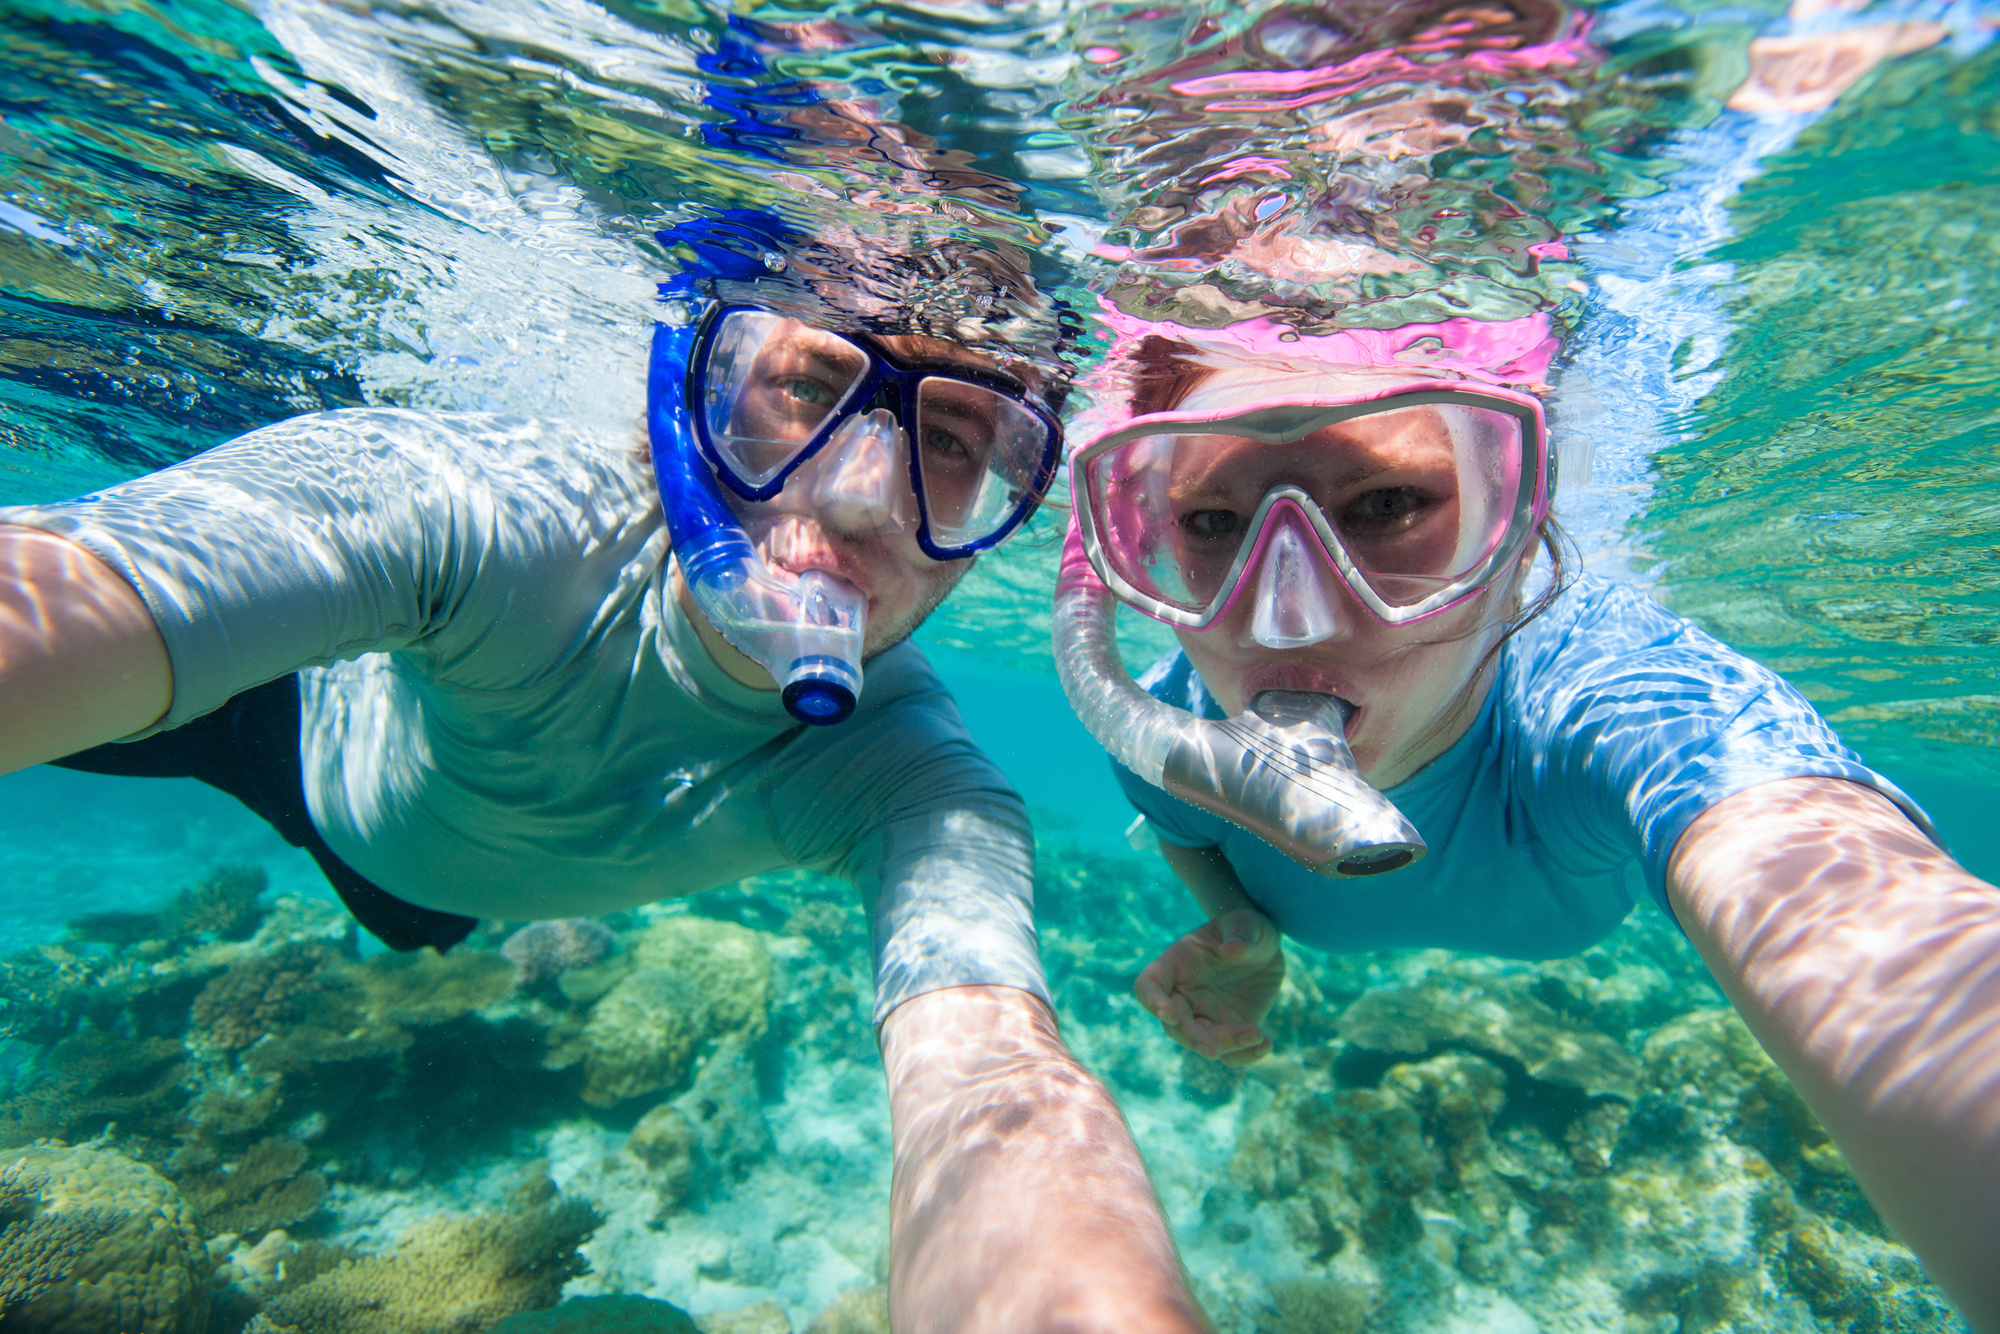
pixel 1151 994
pixel 1248 1055
pixel 1199 1032
pixel 1238 1037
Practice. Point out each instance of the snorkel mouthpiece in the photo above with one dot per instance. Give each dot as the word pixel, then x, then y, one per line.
pixel 1281 769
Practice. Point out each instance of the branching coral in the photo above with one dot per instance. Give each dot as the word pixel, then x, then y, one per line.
pixel 268 1186
pixel 95 1242
pixel 259 994
pixel 365 1011
pixel 93 1077
pixel 224 906
pixel 447 1276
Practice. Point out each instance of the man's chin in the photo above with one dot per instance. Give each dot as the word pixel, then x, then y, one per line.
pixel 883 636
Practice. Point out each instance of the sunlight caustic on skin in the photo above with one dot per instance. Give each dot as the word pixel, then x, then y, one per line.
pixel 1015 1121
pixel 1863 958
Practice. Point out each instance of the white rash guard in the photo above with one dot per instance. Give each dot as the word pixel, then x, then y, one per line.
pixel 507 715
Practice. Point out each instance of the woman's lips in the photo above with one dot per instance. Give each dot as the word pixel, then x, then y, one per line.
pixel 1297 676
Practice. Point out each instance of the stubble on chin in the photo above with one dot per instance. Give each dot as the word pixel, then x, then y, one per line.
pixel 937 583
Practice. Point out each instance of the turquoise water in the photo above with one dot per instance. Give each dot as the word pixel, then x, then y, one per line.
pixel 212 217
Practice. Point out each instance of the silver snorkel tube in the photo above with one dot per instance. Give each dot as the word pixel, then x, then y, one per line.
pixel 1281 769
pixel 806 630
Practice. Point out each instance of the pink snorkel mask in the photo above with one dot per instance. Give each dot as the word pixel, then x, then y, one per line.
pixel 1414 496
pixel 1410 494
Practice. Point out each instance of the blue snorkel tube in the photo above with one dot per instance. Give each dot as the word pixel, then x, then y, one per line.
pixel 806 629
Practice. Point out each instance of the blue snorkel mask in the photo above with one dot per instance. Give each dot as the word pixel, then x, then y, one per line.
pixel 747 398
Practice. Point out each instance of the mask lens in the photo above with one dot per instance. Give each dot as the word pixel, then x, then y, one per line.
pixel 768 384
pixel 1418 496
pixel 978 456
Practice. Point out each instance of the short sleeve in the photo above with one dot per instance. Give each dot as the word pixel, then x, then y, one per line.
pixel 1633 721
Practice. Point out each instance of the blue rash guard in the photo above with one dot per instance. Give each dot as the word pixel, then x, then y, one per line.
pixel 1611 725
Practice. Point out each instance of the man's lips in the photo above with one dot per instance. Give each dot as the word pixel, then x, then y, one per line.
pixel 839 569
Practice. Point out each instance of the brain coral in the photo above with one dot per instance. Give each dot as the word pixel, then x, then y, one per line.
pixel 447 1276
pixel 640 1038
pixel 693 979
pixel 726 963
pixel 543 951
pixel 96 1243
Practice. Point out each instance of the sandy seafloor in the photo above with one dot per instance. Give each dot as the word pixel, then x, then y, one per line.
pixel 1471 1177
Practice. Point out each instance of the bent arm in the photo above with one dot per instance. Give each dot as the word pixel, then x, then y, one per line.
pixel 1867 962
pixel 1019 1203
pixel 81 661
pixel 1209 877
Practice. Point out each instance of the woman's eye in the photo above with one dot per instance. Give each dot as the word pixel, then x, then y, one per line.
pixel 940 441
pixel 1212 523
pixel 1389 507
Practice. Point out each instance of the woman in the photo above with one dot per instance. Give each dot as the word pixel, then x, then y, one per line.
pixel 1342 531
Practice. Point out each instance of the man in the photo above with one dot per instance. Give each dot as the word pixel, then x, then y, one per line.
pixel 472 666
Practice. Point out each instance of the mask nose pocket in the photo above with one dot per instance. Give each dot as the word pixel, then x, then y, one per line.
pixel 1295 599
pixel 860 485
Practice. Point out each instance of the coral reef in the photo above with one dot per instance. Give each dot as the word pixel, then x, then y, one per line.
pixel 691 980
pixel 765 1317
pixel 860 1311
pixel 95 1242
pixel 446 1276
pixel 1437 1141
pixel 602 1315
pixel 544 951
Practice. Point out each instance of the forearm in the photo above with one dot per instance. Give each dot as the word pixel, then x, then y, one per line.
pixel 1868 964
pixel 1209 878
pixel 1019 1202
pixel 81 661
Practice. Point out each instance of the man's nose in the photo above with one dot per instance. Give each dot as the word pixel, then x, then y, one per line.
pixel 1298 602
pixel 860 484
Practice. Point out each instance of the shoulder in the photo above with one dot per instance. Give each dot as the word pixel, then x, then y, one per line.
pixel 469 439
pixel 905 753
pixel 450 459
pixel 1605 639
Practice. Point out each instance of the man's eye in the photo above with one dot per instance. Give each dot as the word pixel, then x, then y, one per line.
pixel 1212 523
pixel 806 390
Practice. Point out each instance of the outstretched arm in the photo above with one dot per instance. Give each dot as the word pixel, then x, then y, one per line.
pixel 81 662
pixel 1020 1204
pixel 1868 964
